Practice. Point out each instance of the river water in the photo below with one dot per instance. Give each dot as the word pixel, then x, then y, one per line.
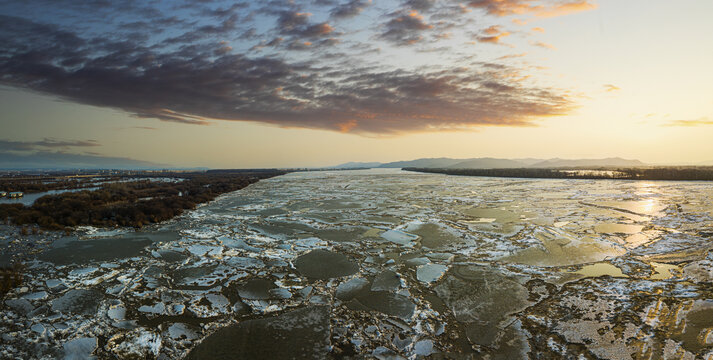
pixel 387 264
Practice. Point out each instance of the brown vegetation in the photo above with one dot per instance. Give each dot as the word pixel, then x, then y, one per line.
pixel 10 277
pixel 35 184
pixel 132 204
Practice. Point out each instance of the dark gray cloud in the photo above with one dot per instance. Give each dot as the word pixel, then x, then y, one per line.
pixel 298 26
pixel 350 8
pixel 405 28
pixel 420 5
pixel 44 144
pixel 272 62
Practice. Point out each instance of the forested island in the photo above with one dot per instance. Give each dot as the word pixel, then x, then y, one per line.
pixel 135 202
pixel 652 173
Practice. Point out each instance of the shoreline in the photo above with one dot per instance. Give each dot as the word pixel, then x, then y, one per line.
pixel 632 174
pixel 129 204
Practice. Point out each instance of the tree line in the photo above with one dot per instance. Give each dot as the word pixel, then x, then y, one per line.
pixel 42 184
pixel 656 173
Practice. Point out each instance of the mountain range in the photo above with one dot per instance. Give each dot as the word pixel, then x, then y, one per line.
pixel 494 163
pixel 59 160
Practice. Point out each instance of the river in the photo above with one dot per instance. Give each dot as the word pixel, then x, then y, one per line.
pixel 388 264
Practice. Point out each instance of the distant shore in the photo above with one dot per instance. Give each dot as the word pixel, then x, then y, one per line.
pixel 652 173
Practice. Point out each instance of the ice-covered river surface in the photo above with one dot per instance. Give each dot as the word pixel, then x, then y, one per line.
pixel 386 264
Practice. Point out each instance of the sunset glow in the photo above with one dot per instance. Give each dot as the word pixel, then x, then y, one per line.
pixel 368 81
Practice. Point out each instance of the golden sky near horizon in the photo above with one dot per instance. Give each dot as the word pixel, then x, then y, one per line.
pixel 362 81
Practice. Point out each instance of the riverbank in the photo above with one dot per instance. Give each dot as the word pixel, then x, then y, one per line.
pixel 132 204
pixel 656 173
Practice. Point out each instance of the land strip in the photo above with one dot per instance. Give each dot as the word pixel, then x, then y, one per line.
pixel 653 173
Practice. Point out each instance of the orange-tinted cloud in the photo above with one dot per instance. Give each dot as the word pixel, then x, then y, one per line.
pixel 492 35
pixel 566 9
pixel 512 56
pixel 532 7
pixel 543 45
pixel 347 126
pixel 610 88
pixel 704 121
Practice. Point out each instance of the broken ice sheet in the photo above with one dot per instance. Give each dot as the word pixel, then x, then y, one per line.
pixel 302 333
pixel 324 264
pixel 399 237
pixel 475 295
pixel 405 264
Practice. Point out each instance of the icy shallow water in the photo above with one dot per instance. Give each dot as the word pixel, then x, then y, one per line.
pixel 386 263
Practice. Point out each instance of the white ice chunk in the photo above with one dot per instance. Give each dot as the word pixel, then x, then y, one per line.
pixel 80 349
pixel 399 237
pixel 83 271
pixel 217 300
pixel 430 272
pixel 180 331
pixel 116 313
pixel 38 328
pixel 141 344
pixel 158 308
pixel 40 295
pixel 205 250
pixel 423 348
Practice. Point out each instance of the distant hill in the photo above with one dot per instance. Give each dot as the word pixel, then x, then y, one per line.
pixel 427 163
pixel 616 162
pixel 529 161
pixel 58 160
pixel 356 165
pixel 488 163
pixel 494 163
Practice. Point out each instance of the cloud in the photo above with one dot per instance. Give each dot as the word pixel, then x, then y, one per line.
pixel 532 7
pixel 350 8
pixel 565 8
pixel 46 143
pixel 611 88
pixel 405 29
pixel 543 45
pixel 278 63
pixel 492 35
pixel 297 24
pixel 704 121
pixel 512 56
pixel 420 5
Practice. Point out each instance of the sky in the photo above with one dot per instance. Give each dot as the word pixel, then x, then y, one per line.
pixel 256 84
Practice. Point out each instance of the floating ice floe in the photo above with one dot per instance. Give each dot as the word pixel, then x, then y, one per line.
pixel 399 237
pixel 80 349
pixel 430 273
pixel 179 331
